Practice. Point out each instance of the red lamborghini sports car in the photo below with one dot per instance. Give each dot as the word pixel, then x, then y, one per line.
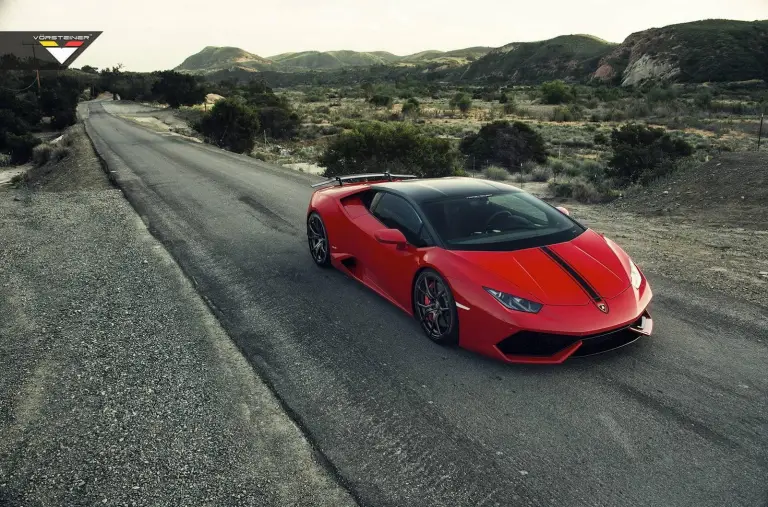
pixel 481 264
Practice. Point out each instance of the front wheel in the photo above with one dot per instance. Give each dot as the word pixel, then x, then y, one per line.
pixel 317 237
pixel 435 308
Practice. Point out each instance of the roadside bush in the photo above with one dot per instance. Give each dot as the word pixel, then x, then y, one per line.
pixel 586 192
pixel 593 172
pixel 41 154
pixel 541 174
pixel 505 144
pixel 178 89
pixel 19 147
pixel 496 173
pixel 376 146
pixel 63 118
pixel 279 122
pixel 231 125
pixel 641 154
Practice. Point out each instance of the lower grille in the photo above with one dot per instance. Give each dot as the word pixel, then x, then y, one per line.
pixel 529 343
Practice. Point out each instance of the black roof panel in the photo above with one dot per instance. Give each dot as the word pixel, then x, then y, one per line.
pixel 432 189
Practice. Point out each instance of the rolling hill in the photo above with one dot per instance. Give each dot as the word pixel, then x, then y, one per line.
pixel 570 57
pixel 701 51
pixel 213 59
pixel 331 60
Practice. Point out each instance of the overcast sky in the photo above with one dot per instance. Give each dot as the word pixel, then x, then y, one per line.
pixel 159 34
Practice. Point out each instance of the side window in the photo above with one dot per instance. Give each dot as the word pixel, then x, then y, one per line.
pixel 395 213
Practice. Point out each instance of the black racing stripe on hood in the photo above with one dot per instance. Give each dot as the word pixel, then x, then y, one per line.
pixel 591 292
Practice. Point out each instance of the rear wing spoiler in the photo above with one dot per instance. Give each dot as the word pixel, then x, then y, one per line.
pixel 365 177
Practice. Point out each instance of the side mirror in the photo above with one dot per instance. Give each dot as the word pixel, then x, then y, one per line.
pixel 390 237
pixel 563 210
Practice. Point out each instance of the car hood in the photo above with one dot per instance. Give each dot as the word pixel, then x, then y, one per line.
pixel 567 273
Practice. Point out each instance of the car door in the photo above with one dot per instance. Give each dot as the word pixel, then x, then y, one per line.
pixel 394 267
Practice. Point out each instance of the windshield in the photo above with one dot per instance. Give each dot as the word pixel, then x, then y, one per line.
pixel 499 222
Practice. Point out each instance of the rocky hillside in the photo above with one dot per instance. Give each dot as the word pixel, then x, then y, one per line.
pixel 570 57
pixel 711 50
pixel 702 51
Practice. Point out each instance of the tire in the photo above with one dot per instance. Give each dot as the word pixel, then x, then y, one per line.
pixel 434 309
pixel 317 238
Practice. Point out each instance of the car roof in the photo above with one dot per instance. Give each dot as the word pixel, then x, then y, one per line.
pixel 433 189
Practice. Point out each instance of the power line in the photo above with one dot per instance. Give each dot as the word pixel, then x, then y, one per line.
pixel 23 89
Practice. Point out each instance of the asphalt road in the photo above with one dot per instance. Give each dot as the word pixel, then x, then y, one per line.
pixel 677 419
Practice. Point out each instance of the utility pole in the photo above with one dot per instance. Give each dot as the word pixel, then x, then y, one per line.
pixel 760 132
pixel 39 88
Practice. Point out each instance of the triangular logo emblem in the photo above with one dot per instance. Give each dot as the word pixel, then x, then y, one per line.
pixel 61 53
pixel 602 307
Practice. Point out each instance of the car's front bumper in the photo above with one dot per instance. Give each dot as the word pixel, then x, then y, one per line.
pixel 556 332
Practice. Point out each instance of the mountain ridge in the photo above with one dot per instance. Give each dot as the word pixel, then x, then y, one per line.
pixel 697 51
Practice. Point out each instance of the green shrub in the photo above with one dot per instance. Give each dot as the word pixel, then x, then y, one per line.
pixel 496 173
pixel 562 189
pixel 231 125
pixel 573 169
pixel 461 101
pixel 19 146
pixel 593 171
pixel 381 100
pixel 505 144
pixel 601 139
pixel 377 146
pixel 411 107
pixel 41 154
pixel 586 192
pixel 178 89
pixel 641 154
pixel 541 174
pixel 555 92
pixel 279 122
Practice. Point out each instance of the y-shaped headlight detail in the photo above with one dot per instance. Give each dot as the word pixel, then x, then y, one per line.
pixel 634 275
pixel 514 302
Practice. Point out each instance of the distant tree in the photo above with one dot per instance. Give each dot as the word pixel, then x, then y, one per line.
pixel 177 89
pixel 641 153
pixel 504 144
pixel 231 124
pixel 503 99
pixel 89 69
pixel 461 101
pixel 411 107
pixel 556 92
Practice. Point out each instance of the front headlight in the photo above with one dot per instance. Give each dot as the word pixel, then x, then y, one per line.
pixel 634 275
pixel 514 302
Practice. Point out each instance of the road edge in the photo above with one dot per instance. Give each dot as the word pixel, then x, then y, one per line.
pixel 117 181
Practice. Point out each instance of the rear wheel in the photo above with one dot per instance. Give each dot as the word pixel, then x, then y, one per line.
pixel 317 237
pixel 435 308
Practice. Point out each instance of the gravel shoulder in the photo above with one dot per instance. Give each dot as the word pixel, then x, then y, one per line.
pixel 119 387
